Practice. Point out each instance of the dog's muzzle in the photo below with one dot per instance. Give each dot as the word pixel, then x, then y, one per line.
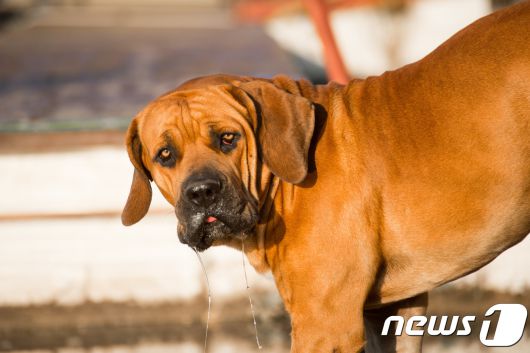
pixel 210 209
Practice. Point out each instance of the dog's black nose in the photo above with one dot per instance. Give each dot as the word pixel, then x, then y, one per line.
pixel 202 192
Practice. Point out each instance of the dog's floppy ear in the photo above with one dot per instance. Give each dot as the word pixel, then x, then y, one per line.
pixel 140 195
pixel 285 128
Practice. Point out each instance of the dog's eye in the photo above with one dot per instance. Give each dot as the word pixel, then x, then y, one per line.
pixel 228 141
pixel 165 154
pixel 166 157
pixel 228 138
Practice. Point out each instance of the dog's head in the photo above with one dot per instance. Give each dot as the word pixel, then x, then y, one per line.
pixel 205 146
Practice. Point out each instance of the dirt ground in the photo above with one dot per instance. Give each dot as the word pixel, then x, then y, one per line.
pixel 87 325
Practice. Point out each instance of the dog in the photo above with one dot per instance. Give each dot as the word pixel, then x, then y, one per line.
pixel 360 198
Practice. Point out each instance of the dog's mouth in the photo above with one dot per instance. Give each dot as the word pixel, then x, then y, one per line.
pixel 202 229
pixel 212 228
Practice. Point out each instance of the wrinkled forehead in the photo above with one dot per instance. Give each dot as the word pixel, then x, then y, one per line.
pixel 185 115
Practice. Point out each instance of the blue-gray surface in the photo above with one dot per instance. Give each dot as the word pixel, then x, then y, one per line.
pixel 61 77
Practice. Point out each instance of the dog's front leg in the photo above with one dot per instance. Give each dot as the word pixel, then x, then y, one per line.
pixel 325 296
pixel 326 334
pixel 375 319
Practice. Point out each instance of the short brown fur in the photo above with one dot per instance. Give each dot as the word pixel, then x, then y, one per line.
pixel 370 194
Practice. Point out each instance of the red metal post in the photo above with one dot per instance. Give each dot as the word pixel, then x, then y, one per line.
pixel 334 65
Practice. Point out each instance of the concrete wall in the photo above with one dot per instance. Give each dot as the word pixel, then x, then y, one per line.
pixel 72 260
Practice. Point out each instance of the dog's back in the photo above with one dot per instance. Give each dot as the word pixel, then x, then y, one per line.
pixel 453 131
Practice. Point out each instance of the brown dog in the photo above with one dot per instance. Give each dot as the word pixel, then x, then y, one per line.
pixel 358 198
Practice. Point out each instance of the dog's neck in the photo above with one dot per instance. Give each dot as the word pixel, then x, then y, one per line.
pixel 275 194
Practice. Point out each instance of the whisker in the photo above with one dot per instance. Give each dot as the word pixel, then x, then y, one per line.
pixel 248 293
pixel 209 298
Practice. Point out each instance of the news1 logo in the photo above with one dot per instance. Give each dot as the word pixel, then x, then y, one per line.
pixel 509 330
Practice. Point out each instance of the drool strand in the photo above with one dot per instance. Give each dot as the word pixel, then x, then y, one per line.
pixel 248 293
pixel 209 298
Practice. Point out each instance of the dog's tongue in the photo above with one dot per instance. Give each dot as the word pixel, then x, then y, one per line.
pixel 211 219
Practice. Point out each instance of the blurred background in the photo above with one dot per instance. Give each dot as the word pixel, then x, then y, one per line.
pixel 72 75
